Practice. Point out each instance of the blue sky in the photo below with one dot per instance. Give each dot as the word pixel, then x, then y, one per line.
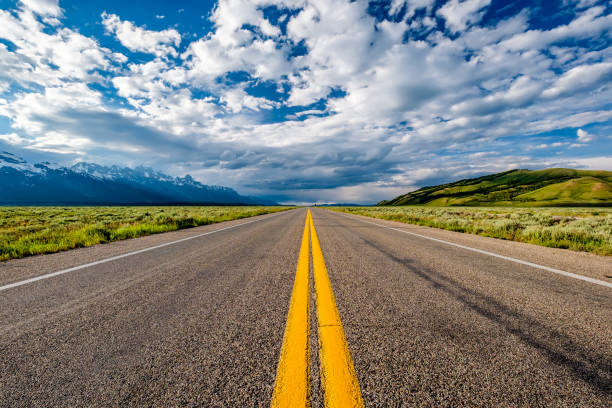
pixel 303 101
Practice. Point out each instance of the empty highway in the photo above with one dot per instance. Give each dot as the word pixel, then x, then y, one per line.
pixel 250 313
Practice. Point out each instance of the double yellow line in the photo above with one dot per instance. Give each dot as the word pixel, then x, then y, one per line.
pixel 340 385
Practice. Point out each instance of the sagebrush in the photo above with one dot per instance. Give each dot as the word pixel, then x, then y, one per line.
pixel 26 231
pixel 579 229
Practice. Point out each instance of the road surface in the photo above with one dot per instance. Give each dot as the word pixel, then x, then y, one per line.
pixel 201 322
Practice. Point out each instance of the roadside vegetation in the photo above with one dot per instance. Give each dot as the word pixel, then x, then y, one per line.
pixel 579 229
pixel 26 231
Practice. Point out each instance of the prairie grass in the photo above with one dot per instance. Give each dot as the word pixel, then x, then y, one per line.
pixel 579 229
pixel 26 231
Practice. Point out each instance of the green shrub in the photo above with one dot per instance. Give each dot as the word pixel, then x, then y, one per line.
pixel 26 231
pixel 579 229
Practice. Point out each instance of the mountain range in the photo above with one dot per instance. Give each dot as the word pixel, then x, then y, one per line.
pixel 520 187
pixel 23 183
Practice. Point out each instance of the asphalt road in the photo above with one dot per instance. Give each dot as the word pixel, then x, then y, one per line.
pixel 201 322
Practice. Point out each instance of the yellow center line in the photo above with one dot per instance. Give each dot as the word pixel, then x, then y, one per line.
pixel 292 388
pixel 340 385
pixel 338 377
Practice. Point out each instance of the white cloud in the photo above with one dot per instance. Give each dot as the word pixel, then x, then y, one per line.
pixel 590 23
pixel 592 163
pixel 31 111
pixel 584 136
pixel 232 47
pixel 521 92
pixel 459 15
pixel 584 77
pixel 339 37
pixel 479 37
pixel 564 121
pixel 13 139
pixel 585 3
pixel 412 6
pixel 142 81
pixel 367 193
pixel 49 58
pixel 237 99
pixel 546 146
pixel 62 143
pixel 138 39
pixel 43 7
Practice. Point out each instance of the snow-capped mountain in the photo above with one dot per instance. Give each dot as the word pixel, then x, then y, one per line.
pixel 89 183
pixel 9 160
pixel 116 173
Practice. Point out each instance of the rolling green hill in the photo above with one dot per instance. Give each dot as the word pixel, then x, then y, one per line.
pixel 524 188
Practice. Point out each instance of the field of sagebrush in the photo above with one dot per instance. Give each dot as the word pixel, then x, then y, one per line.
pixel 28 231
pixel 580 229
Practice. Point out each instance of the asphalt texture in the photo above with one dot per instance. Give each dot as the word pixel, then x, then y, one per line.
pixel 201 322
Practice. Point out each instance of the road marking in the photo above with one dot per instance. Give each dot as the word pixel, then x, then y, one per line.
pixel 292 388
pixel 340 385
pixel 507 258
pixel 114 258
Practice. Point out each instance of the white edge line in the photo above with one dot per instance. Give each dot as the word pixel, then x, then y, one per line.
pixel 114 258
pixel 507 258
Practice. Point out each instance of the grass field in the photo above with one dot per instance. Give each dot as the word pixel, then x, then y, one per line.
pixel 26 231
pixel 580 229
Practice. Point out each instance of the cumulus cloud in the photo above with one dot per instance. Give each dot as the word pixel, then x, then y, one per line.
pixel 43 7
pixel 584 77
pixel 138 39
pixel 591 22
pixel 459 14
pixel 237 99
pixel 584 136
pixel 44 58
pixel 244 40
pixel 411 6
pixel 31 112
pixel 521 92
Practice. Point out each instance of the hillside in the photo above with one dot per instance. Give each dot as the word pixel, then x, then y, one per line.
pixel 91 184
pixel 525 188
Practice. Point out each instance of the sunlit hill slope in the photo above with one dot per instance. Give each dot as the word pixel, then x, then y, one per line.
pixel 525 188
